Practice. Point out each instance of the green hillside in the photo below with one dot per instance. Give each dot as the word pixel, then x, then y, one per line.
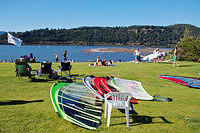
pixel 162 36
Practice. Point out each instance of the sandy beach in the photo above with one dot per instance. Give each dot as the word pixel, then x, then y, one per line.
pixel 125 50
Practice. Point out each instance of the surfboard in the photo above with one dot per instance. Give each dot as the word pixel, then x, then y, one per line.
pixel 77 104
pixel 131 86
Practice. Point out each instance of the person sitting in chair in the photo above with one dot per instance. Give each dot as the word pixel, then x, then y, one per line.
pixel 52 74
pixel 34 60
pixel 27 66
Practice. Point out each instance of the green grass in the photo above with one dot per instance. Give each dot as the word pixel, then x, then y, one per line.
pixel 39 116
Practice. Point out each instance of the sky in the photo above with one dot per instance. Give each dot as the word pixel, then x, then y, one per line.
pixel 27 15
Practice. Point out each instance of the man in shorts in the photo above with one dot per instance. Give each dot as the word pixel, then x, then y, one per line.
pixel 175 57
pixel 137 55
pixel 65 56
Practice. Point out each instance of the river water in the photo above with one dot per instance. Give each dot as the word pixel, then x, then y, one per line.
pixel 76 53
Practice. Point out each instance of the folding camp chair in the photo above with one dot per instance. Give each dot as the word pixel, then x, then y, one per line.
pixel 46 67
pixel 21 69
pixel 65 66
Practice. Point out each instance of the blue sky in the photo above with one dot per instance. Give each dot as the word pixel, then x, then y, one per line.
pixel 26 15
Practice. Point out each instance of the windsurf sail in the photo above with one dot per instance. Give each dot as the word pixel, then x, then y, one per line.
pixel 99 86
pixel 152 56
pixel 75 103
pixel 89 82
pixel 131 86
pixel 109 88
pixel 186 81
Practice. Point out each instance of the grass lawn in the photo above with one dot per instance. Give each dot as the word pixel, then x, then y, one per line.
pixel 27 107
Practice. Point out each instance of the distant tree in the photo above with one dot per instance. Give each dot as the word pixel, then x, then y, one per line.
pixel 189 47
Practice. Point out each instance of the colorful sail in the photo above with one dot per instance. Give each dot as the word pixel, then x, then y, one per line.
pixel 89 82
pixel 187 81
pixel 75 103
pixel 131 86
pixel 99 86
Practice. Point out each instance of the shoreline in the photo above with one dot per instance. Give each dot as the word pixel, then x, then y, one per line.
pixel 126 50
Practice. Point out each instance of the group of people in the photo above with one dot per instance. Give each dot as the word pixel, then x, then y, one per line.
pixel 160 56
pixel 11 60
pixel 52 74
pixel 32 59
pixel 101 62
pixel 64 57
pixel 29 58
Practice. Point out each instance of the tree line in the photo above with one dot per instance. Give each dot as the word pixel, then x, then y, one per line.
pixel 151 36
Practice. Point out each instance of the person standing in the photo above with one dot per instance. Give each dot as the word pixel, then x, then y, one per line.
pixel 11 59
pixel 30 57
pixel 65 56
pixel 157 54
pixel 175 57
pixel 137 55
pixel 57 57
pixel 98 59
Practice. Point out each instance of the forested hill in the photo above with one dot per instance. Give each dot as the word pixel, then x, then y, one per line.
pixel 162 36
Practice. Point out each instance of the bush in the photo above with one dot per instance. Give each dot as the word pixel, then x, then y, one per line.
pixel 189 47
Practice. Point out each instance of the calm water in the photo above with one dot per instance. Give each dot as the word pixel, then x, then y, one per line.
pixel 47 53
